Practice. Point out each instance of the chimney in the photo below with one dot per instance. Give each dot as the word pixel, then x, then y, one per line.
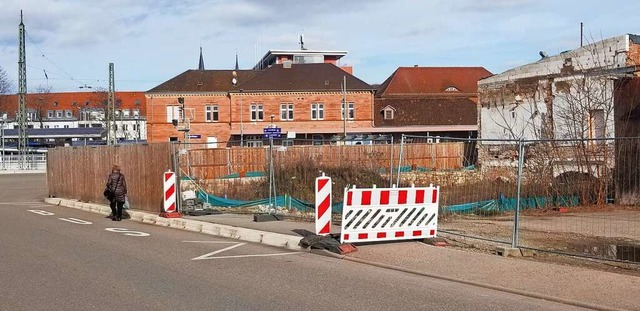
pixel 286 64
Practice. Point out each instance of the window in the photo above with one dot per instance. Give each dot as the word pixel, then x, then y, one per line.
pixel 58 113
pixel 49 114
pixel 86 103
pixel 212 113
pixel 317 140
pixel 513 114
pixel 68 113
pixel 55 104
pixel 137 103
pixel 257 112
pixel 66 126
pixel 388 113
pixel 451 89
pixel 173 113
pixel 118 113
pixel 126 113
pixel 119 102
pixel 317 111
pixel 253 141
pixel 136 113
pixel 74 103
pixel 286 112
pixel 125 127
pixel 596 124
pixel 287 142
pixel 46 126
pixel 351 111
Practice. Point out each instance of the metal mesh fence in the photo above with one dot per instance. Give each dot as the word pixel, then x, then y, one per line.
pixel 576 197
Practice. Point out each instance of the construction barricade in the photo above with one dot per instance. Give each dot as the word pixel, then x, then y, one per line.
pixel 389 214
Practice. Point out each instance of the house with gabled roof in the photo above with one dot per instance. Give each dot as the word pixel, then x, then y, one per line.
pixel 304 100
pixel 429 101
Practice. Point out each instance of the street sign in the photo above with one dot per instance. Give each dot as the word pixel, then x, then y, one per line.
pixel 195 136
pixel 272 132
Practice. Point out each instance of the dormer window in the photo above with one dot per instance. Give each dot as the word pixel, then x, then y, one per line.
pixel 451 89
pixel 388 112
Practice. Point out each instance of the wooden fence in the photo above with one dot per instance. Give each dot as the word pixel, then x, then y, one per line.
pixel 81 172
pixel 214 163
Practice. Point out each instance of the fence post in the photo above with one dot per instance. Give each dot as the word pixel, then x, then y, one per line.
pixel 391 164
pixel 516 217
pixel 400 159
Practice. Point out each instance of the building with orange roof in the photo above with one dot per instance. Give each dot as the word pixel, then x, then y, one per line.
pixel 55 117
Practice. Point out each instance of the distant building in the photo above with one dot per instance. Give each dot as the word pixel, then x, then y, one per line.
pixel 59 118
pixel 305 101
pixel 279 57
pixel 429 101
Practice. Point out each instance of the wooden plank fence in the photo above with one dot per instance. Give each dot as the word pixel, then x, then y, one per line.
pixel 218 162
pixel 81 172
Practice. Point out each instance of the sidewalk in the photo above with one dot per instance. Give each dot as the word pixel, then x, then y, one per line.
pixel 548 279
pixel 575 285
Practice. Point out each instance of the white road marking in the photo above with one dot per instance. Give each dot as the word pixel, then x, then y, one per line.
pixel 127 232
pixel 26 203
pixel 41 212
pixel 211 242
pixel 245 256
pixel 208 256
pixel 76 221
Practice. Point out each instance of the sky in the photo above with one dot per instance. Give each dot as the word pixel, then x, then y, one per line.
pixel 151 41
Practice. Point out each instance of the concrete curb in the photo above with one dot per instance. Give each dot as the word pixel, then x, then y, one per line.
pixel 250 235
pixel 478 284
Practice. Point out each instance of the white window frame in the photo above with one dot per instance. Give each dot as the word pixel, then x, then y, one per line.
pixel 351 112
pixel 49 114
pixel 317 111
pixel 256 112
pixel 68 114
pixel 390 112
pixel 173 113
pixel 286 112
pixel 59 114
pixel 212 113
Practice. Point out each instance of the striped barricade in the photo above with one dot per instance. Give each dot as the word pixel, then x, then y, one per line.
pixel 389 214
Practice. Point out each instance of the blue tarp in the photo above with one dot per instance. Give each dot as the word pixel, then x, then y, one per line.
pixel 504 204
pixel 283 201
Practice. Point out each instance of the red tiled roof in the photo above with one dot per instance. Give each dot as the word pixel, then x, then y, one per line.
pixel 412 111
pixel 72 101
pixel 432 80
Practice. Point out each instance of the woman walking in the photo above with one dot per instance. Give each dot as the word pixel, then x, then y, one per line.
pixel 118 186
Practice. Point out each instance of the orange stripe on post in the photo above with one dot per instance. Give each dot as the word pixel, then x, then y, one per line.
pixel 322 183
pixel 402 197
pixel 366 198
pixel 384 197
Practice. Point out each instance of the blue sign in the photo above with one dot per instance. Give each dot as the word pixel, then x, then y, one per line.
pixel 271 135
pixel 271 130
pixel 194 136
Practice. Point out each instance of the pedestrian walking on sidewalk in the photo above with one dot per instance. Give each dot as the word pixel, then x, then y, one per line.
pixel 117 184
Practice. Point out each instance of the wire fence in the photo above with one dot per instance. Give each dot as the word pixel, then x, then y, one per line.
pixel 576 197
pixel 31 162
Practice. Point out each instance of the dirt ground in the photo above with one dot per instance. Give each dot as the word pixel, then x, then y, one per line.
pixel 611 233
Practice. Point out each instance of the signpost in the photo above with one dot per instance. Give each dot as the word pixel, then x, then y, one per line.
pixel 272 132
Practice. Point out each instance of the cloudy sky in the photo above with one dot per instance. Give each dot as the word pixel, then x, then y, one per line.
pixel 151 41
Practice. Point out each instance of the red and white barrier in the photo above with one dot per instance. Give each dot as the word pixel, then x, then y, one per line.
pixel 323 205
pixel 387 214
pixel 170 189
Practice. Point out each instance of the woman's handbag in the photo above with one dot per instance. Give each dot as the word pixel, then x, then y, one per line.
pixel 108 194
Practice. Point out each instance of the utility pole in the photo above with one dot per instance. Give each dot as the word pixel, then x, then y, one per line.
pixel 345 112
pixel 22 97
pixel 111 110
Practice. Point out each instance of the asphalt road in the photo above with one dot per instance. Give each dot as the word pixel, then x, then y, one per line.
pixel 55 258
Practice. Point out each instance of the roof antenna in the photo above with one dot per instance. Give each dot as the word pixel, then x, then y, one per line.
pixel 302 42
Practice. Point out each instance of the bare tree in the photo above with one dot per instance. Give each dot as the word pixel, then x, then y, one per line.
pixel 6 86
pixel 40 100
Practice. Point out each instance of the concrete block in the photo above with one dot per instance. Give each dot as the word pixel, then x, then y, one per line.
pixel 528 252
pixel 136 216
pixel 52 201
pixel 149 219
pixel 211 229
pixel 505 251
pixel 177 223
pixel 249 235
pixel 161 221
pixel 194 226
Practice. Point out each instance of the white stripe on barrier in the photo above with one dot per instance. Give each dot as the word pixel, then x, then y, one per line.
pixel 385 214
pixel 323 205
